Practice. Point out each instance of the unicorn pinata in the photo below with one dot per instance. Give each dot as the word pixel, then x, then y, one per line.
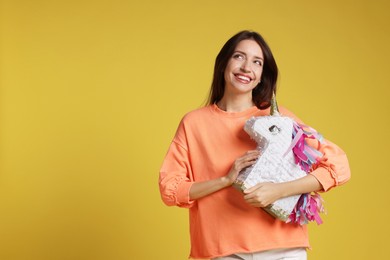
pixel 285 156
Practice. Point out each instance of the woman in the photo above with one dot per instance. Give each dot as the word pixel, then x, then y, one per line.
pixel 209 150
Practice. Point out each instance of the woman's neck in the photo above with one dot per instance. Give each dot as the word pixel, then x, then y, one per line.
pixel 235 104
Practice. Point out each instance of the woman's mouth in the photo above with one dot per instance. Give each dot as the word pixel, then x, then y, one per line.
pixel 243 78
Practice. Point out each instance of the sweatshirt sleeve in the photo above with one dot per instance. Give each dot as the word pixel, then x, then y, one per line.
pixel 333 168
pixel 176 178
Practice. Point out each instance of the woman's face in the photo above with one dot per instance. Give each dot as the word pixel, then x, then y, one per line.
pixel 244 68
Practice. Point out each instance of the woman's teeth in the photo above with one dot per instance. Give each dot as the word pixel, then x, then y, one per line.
pixel 244 78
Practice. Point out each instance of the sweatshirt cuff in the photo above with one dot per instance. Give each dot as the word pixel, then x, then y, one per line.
pixel 325 178
pixel 183 194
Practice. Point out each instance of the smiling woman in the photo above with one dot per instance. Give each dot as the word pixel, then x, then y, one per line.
pixel 243 73
pixel 210 149
pixel 242 50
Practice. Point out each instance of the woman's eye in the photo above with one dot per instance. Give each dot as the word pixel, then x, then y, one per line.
pixel 238 56
pixel 258 62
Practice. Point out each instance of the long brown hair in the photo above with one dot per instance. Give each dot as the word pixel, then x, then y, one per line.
pixel 262 93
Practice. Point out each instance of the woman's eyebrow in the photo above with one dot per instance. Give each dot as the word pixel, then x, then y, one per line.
pixel 260 58
pixel 241 52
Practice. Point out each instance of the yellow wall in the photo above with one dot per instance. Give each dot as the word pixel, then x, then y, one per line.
pixel 92 91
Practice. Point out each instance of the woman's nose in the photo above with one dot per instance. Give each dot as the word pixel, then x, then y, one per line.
pixel 245 66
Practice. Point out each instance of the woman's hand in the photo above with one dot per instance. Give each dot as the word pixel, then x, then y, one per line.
pixel 201 189
pixel 266 193
pixel 248 159
pixel 263 194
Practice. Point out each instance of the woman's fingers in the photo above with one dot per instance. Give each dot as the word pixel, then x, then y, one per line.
pixel 246 160
pixel 253 152
pixel 250 190
pixel 263 194
pixel 250 155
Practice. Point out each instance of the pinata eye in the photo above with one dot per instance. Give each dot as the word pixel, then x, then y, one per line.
pixel 274 129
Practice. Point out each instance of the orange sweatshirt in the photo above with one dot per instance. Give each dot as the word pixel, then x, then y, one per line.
pixel 207 142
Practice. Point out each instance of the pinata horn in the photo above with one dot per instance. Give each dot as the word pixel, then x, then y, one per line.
pixel 274 106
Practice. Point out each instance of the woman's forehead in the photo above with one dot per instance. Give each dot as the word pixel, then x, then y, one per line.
pixel 249 47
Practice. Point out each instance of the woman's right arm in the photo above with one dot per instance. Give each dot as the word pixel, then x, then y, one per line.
pixel 204 188
pixel 177 185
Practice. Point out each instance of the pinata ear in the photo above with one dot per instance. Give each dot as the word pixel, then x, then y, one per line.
pixel 274 106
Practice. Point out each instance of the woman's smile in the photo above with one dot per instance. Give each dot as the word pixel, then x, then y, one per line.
pixel 243 78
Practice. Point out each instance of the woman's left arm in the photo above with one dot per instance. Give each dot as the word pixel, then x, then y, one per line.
pixel 332 170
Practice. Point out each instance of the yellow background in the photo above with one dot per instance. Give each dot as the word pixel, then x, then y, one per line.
pixel 92 92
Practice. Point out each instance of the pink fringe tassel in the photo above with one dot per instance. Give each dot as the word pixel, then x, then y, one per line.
pixel 309 205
